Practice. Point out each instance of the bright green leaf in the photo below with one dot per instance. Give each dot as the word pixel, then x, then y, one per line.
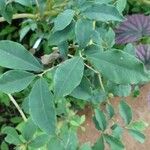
pixel 138 125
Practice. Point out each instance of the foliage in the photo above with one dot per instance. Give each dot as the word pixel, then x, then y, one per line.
pixel 68 59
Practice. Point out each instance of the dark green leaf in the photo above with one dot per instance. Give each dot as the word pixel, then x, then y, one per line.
pixel 29 130
pixel 68 76
pixel 12 136
pixel 83 91
pixel 39 141
pixel 55 144
pixel 115 144
pixel 110 110
pixel 41 105
pixel 122 90
pixel 62 36
pixel 101 119
pixel 99 145
pixel 103 12
pixel 85 146
pixel 63 20
pixel 15 56
pixel 119 67
pixel 15 81
pixel 125 111
pixel 117 131
pixel 137 135
pixel 83 31
pixel 24 2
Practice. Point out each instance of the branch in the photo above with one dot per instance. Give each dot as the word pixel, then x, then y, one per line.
pixel 18 107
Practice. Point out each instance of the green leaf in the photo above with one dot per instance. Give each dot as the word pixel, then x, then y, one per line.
pixel 119 67
pixel 110 110
pixel 39 141
pixel 61 36
pixel 137 135
pixel 125 111
pixel 108 38
pixel 115 144
pixel 24 2
pixel 13 55
pixel 99 145
pixel 63 20
pixel 83 31
pixel 4 146
pixel 29 130
pixel 83 91
pixel 103 12
pixel 122 90
pixel 101 119
pixel 15 81
pixel 85 146
pixel 41 105
pixel 117 131
pixel 138 125
pixel 68 76
pixel 129 48
pixel 121 4
pixel 6 11
pixel 12 136
pixel 55 144
pixel 70 140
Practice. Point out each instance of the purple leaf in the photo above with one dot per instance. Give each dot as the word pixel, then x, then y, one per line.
pixel 143 53
pixel 133 29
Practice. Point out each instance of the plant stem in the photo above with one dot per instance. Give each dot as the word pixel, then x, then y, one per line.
pixel 31 16
pixel 18 107
pixel 20 16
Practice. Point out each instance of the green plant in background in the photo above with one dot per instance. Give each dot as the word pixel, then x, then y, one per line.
pixel 80 66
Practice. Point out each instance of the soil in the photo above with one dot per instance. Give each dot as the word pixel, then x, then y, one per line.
pixel 141 110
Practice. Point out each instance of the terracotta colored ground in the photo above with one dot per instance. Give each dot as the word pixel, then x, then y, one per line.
pixel 141 110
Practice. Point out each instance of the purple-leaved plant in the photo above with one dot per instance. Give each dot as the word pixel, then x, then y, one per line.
pixel 133 29
pixel 143 53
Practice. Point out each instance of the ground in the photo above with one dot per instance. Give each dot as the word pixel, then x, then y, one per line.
pixel 141 110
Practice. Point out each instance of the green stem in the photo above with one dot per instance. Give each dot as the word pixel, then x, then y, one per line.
pixel 20 16
pixel 18 107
